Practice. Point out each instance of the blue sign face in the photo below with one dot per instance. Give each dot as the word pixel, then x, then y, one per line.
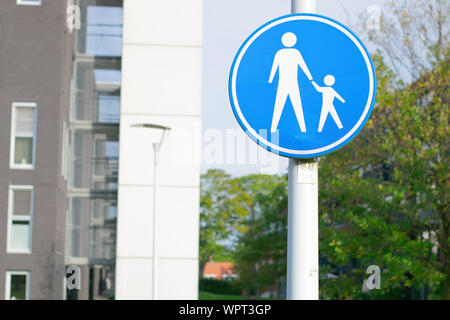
pixel 302 85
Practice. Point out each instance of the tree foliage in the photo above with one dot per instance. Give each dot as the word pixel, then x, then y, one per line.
pixel 261 251
pixel 222 209
pixel 389 188
pixel 243 219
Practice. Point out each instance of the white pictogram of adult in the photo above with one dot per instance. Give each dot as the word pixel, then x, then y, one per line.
pixel 287 61
pixel 328 95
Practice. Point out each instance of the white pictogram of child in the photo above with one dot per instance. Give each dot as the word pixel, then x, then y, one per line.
pixel 328 95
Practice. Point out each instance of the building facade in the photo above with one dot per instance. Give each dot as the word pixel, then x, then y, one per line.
pixel 161 84
pixel 35 75
pixel 75 222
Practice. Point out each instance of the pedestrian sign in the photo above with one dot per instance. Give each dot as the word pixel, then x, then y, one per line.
pixel 302 85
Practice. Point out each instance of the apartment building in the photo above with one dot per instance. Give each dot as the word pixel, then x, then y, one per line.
pixel 76 178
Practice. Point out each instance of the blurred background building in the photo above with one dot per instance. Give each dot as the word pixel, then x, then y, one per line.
pixel 74 76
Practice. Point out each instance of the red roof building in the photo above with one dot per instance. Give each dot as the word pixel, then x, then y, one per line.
pixel 219 270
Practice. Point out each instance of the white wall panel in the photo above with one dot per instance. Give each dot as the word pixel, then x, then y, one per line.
pixel 177 281
pixel 161 84
pixel 161 80
pixel 133 279
pixel 164 22
pixel 177 216
pixel 179 156
pixel 135 222
pixel 180 221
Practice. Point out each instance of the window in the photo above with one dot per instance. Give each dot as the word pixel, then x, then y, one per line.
pixel 17 285
pixel 23 131
pixel 229 276
pixel 29 2
pixel 103 31
pixel 108 108
pixel 20 216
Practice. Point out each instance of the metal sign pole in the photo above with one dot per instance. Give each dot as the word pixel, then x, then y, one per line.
pixel 303 215
pixel 156 148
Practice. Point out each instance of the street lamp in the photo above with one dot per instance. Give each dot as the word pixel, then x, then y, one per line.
pixel 156 148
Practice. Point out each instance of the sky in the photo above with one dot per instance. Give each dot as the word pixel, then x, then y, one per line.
pixel 226 24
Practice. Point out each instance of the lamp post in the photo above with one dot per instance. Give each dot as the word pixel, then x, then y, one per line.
pixel 156 149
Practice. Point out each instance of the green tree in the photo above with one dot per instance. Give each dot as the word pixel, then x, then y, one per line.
pixel 384 197
pixel 223 206
pixel 261 252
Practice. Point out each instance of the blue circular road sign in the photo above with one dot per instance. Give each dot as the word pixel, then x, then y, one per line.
pixel 302 85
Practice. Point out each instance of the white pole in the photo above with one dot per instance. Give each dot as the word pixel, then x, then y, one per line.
pixel 303 215
pixel 303 6
pixel 156 147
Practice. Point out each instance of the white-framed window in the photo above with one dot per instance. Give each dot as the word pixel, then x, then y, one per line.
pixel 23 135
pixel 20 219
pixel 29 2
pixel 229 276
pixel 17 285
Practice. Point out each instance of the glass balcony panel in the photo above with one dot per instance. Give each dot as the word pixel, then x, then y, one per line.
pixel 101 31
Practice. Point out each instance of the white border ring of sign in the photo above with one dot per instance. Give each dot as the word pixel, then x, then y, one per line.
pixel 314 152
